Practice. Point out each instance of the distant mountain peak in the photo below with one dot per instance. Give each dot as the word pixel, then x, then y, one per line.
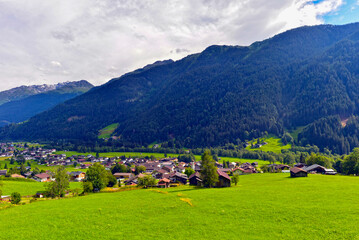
pixel 24 91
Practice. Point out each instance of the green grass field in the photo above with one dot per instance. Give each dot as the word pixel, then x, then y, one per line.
pixel 263 206
pixel 107 131
pixel 274 145
pixel 28 188
pixel 34 165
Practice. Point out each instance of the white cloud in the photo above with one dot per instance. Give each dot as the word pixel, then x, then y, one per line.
pixel 304 12
pixel 65 40
pixel 56 64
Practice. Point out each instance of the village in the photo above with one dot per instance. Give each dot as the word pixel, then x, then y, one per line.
pixel 168 172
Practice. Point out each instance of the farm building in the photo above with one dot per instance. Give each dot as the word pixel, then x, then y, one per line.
pixel 195 179
pixel 17 176
pixel 223 179
pixel 315 168
pixel 123 175
pixel 77 176
pixel 43 177
pixel 164 183
pixel 177 177
pixel 298 172
pixel 3 172
pixel 329 172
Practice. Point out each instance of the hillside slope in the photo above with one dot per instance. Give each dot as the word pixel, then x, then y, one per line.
pixel 224 94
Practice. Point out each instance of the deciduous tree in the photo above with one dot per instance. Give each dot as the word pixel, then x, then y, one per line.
pixel 58 187
pixel 235 178
pixel 98 176
pixel 189 171
pixel 146 181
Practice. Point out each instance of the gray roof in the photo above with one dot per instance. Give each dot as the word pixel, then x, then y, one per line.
pixel 312 167
pixel 75 173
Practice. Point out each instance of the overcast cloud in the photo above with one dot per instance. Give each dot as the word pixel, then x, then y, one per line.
pixel 55 41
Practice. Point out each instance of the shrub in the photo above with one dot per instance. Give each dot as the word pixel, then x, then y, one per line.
pixel 15 198
pixel 87 187
pixel 112 181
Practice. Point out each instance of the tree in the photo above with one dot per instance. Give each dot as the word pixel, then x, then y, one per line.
pixel 22 169
pixel 319 159
pixel 98 176
pixel 189 171
pixel 287 138
pixel 235 178
pixel 15 198
pixel 271 159
pixel 60 185
pixel 208 170
pixel 1 184
pixel 119 168
pixel 20 159
pixel 112 181
pixel 140 169
pixel 351 163
pixel 5 166
pixel 35 171
pixel 87 187
pixel 187 158
pixel 146 181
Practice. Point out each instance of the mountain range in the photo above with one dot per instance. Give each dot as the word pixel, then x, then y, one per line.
pixel 21 103
pixel 305 78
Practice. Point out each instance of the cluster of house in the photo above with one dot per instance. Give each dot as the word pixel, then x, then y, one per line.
pixel 170 172
pixel 302 170
pixel 46 176
pixel 12 150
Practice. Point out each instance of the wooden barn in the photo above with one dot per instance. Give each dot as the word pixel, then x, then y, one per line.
pixel 164 183
pixel 298 172
pixel 195 179
pixel 223 179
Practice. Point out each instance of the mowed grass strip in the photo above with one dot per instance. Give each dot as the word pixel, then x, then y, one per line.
pixel 263 206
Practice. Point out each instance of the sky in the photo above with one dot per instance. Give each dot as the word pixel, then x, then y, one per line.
pixel 96 40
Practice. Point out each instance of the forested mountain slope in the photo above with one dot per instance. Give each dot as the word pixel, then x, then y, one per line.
pixel 224 94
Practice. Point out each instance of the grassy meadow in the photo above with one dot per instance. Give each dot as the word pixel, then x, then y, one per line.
pixel 107 131
pixel 274 145
pixel 262 206
pixel 28 188
pixel 34 165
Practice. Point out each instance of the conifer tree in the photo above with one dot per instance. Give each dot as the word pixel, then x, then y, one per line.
pixel 208 170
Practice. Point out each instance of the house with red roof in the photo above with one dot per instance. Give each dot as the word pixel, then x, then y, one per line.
pixel 43 177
